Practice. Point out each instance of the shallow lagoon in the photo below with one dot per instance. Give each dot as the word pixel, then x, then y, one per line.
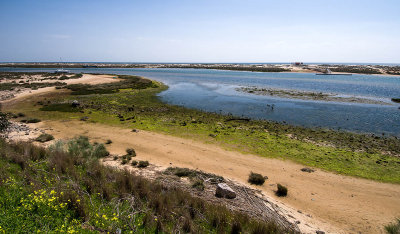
pixel 214 90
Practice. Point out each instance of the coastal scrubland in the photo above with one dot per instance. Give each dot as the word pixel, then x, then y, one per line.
pixel 133 103
pixel 65 188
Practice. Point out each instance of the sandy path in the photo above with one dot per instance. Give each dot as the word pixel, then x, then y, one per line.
pixel 336 203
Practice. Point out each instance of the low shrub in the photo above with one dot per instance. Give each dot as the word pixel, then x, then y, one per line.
pixel 134 163
pixel 143 164
pixel 115 158
pixel 108 141
pixel 393 228
pixel 198 184
pixel 255 178
pixel 100 151
pixel 31 120
pixel 183 172
pixel 131 151
pixel 124 161
pixel 282 190
pixel 44 138
pixel 21 114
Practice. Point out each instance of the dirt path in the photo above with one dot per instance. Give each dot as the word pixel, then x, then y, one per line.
pixel 336 203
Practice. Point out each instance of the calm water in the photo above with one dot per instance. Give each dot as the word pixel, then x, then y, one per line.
pixel 213 90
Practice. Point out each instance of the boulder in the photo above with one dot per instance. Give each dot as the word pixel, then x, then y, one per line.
pixel 75 103
pixel 223 190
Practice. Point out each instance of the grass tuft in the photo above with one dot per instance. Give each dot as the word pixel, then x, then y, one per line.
pixel 282 191
pixel 255 178
pixel 44 138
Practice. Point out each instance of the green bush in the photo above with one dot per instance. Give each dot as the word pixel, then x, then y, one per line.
pixel 131 152
pixel 183 172
pixel 31 120
pixel 282 190
pixel 255 178
pixel 134 163
pixel 198 184
pixel 44 138
pixel 143 164
pixel 100 151
pixel 393 228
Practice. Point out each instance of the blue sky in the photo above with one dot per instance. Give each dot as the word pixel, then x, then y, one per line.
pixel 200 31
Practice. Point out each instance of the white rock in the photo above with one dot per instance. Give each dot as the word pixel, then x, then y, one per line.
pixel 223 190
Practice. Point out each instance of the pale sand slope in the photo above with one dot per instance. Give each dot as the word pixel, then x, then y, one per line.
pixel 337 203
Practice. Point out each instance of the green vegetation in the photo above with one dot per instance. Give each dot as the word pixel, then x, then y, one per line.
pixel 367 156
pixel 75 76
pixel 62 107
pixel 355 69
pixel 44 138
pixel 255 178
pixel 4 123
pixel 393 228
pixel 33 85
pixel 143 164
pixel 131 152
pixel 63 189
pixel 30 120
pixel 282 190
pixel 128 82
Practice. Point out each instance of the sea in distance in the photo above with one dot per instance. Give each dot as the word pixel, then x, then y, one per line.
pixel 216 91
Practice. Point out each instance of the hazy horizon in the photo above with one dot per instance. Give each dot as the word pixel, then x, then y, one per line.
pixel 235 31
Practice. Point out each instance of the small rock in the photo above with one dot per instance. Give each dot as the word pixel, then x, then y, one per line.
pixel 75 103
pixel 307 169
pixel 223 190
pixel 135 130
pixel 320 232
